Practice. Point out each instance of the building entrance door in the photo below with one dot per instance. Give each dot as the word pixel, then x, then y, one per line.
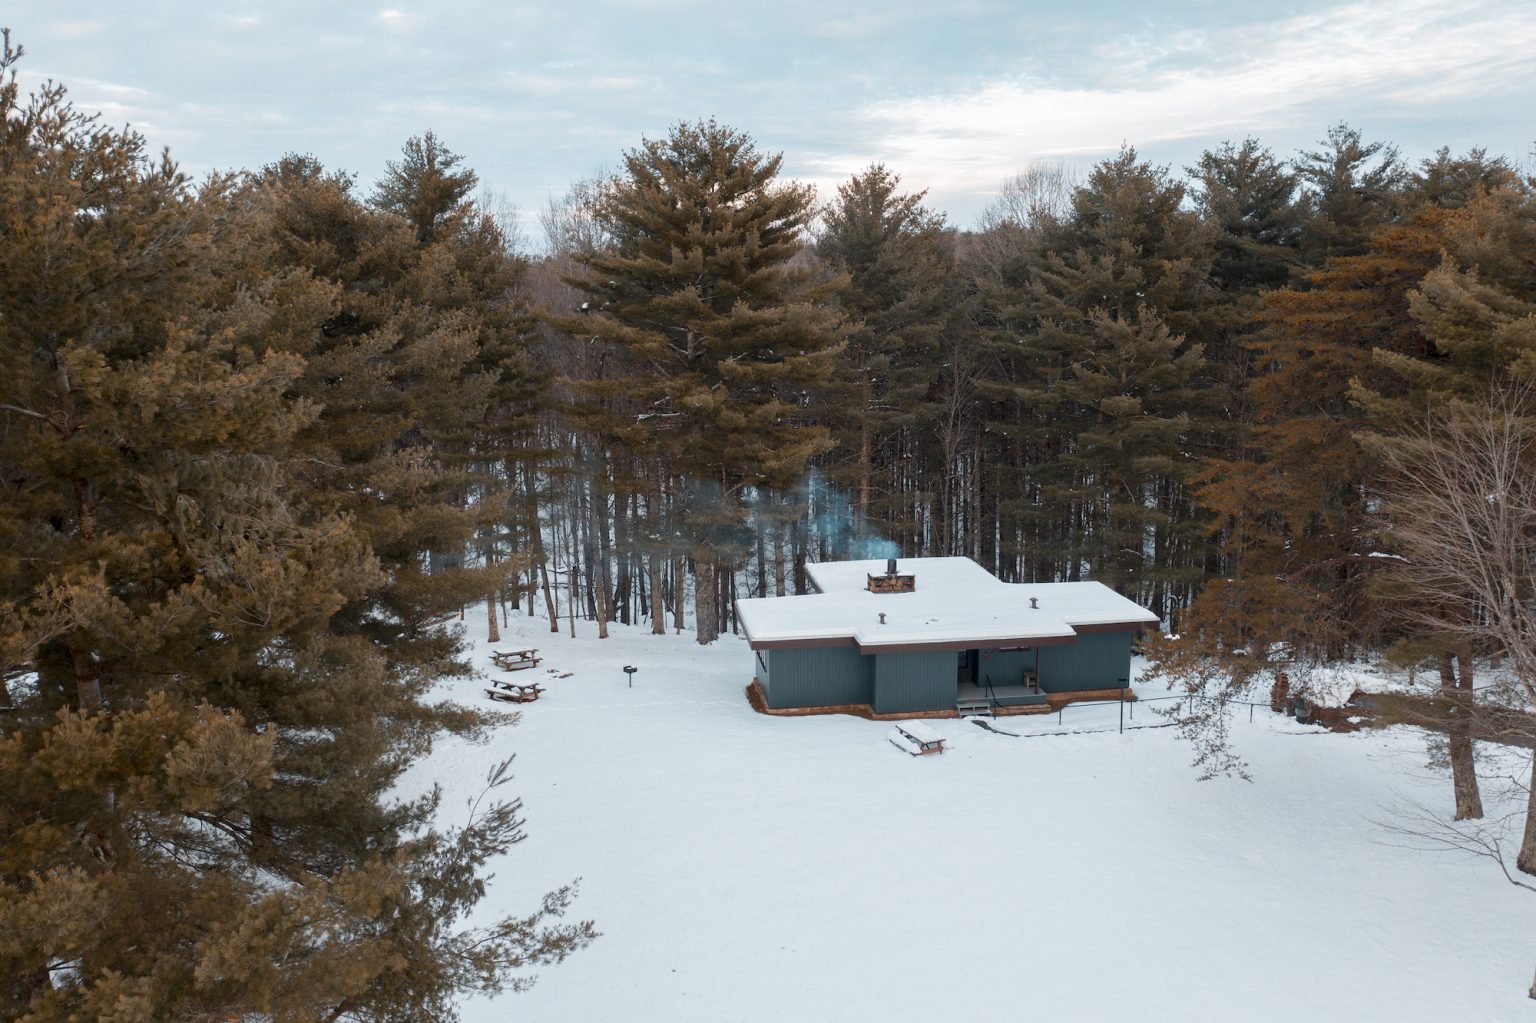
pixel 966 665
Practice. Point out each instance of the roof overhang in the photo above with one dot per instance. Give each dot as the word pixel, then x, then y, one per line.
pixel 957 605
pixel 915 646
pixel 963 644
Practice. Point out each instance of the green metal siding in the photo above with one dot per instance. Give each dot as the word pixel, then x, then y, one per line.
pixel 1005 667
pixel 815 677
pixel 915 681
pixel 923 681
pixel 1097 660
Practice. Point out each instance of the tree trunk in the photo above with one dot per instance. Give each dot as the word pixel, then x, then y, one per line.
pixel 797 548
pixel 87 681
pixel 778 557
pixel 762 563
pixel 658 607
pixel 493 628
pixel 1458 728
pixel 726 577
pixel 598 594
pixel 605 554
pixel 706 596
pixel 541 556
pixel 1526 861
pixel 549 598
pixel 864 472
pixel 588 556
pixel 1469 803
pixel 623 534
pixel 679 594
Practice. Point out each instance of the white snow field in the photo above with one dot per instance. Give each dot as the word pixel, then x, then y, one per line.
pixel 752 868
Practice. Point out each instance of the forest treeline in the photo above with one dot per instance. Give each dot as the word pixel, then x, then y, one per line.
pixel 260 434
pixel 1150 377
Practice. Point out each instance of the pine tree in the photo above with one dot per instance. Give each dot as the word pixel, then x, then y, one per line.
pixel 1480 334
pixel 1250 198
pixel 717 336
pixel 1352 187
pixel 899 295
pixel 1451 182
pixel 1109 366
pixel 1293 503
pixel 193 816
pixel 1476 309
pixel 308 271
pixel 427 189
pixel 465 270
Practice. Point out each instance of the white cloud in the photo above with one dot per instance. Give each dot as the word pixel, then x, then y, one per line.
pixel 90 93
pixel 576 83
pixel 1209 84
pixel 533 84
pixel 395 19
pixel 77 29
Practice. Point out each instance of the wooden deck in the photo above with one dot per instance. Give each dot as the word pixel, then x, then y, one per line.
pixel 1006 696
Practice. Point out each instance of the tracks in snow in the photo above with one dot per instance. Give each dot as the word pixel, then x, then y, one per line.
pixel 986 723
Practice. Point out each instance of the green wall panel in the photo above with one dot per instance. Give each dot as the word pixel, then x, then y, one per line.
pixel 899 683
pixel 1097 660
pixel 762 663
pixel 1004 667
pixel 815 677
pixel 916 681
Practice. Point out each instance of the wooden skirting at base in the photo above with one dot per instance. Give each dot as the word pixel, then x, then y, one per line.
pixel 1021 709
pixel 1054 702
pixel 759 702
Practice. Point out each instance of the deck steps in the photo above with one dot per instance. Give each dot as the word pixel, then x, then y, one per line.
pixel 976 707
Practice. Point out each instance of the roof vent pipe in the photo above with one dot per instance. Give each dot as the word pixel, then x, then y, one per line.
pixel 882 617
pixel 890 566
pixel 1034 604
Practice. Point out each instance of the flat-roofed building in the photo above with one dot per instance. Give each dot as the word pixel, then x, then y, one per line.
pixel 937 634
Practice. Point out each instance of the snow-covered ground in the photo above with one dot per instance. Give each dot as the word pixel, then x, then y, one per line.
pixel 750 868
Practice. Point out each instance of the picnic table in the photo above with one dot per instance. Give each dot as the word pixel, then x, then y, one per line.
pixel 916 739
pixel 515 660
pixel 511 692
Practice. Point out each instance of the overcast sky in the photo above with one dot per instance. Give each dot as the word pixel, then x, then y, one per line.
pixel 953 96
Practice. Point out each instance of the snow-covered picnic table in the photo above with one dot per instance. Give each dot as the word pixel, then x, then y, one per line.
pixel 510 692
pixel 917 738
pixel 515 660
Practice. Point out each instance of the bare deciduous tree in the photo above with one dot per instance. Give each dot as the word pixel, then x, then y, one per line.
pixel 1461 505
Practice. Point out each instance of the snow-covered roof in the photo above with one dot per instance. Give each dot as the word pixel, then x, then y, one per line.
pixel 956 605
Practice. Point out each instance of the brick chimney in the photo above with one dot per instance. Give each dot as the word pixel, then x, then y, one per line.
pixel 892 581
